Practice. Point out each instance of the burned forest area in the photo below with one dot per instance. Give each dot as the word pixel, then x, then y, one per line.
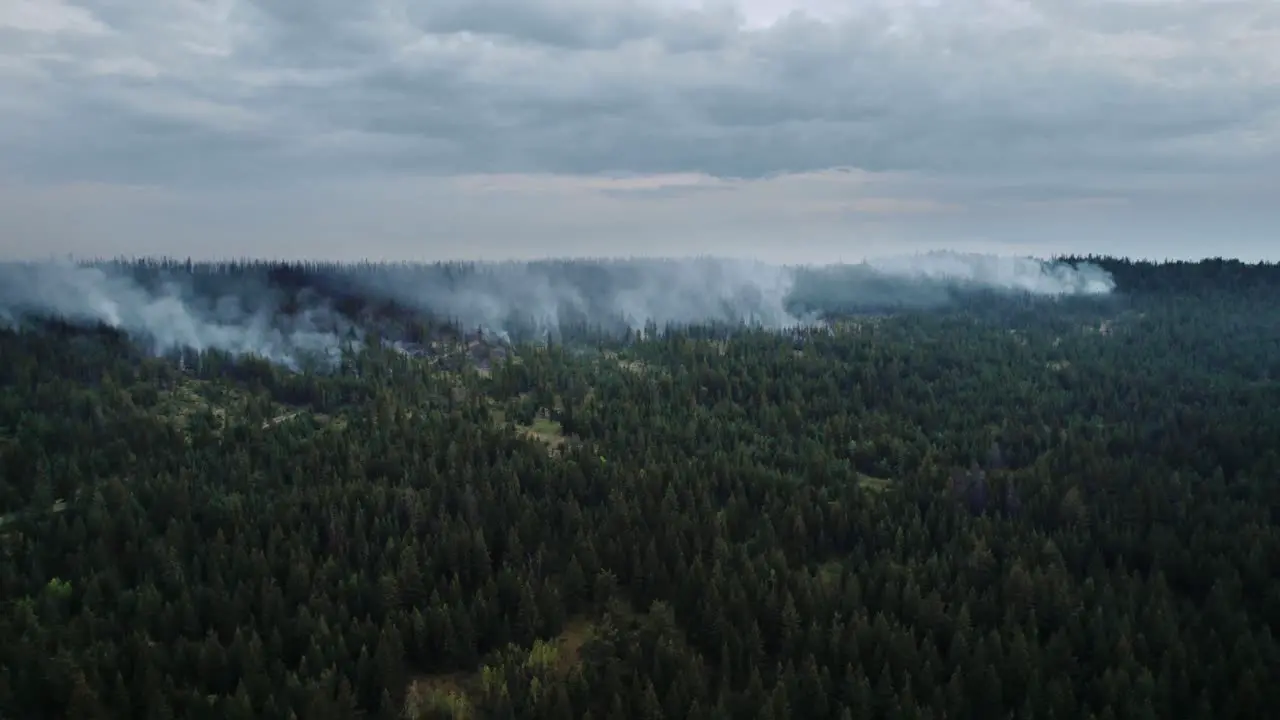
pixel 979 505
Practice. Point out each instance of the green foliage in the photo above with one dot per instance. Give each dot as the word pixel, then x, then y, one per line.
pixel 1007 507
pixel 58 590
pixel 440 704
pixel 543 656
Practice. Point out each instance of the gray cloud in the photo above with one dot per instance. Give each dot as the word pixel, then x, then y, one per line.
pixel 408 128
pixel 235 90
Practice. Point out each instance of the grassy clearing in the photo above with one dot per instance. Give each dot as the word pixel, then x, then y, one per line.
pixel 192 399
pixel 575 635
pixel 326 422
pixel 546 431
pixel 874 484
pixel 450 694
pixel 543 429
pixel 628 365
pixel 633 366
pixel 829 574
pixel 195 397
pixel 445 695
pixel 282 418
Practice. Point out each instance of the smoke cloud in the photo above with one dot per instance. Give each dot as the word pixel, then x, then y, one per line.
pixel 938 278
pixel 540 298
pixel 288 313
pixel 999 272
pixel 244 318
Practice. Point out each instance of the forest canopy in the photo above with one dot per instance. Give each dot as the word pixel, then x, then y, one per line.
pixel 997 503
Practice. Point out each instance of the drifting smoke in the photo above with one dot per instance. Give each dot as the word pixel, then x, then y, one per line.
pixel 243 319
pixel 540 298
pixel 1001 272
pixel 286 313
pixel 936 279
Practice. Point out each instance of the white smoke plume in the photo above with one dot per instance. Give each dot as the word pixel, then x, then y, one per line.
pixel 999 272
pixel 286 317
pixel 168 317
pixel 542 297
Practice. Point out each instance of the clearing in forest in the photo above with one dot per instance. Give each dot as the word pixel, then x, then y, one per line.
pixel 545 430
pixel 225 404
pixel 873 484
pixel 450 694
pixel 193 397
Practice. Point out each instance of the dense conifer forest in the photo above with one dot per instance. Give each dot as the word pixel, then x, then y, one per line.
pixel 999 507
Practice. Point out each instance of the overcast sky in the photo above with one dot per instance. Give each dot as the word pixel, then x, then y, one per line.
pixel 790 130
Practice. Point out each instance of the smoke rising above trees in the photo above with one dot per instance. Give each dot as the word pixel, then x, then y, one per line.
pixel 283 312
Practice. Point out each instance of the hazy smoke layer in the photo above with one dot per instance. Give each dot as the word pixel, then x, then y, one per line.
pixel 934 279
pixel 244 318
pixel 1002 272
pixel 541 297
pixel 283 313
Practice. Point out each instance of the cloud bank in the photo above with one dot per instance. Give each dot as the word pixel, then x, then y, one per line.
pixel 191 91
pixel 1157 112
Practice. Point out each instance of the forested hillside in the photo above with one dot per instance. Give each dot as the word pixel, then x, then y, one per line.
pixel 999 507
